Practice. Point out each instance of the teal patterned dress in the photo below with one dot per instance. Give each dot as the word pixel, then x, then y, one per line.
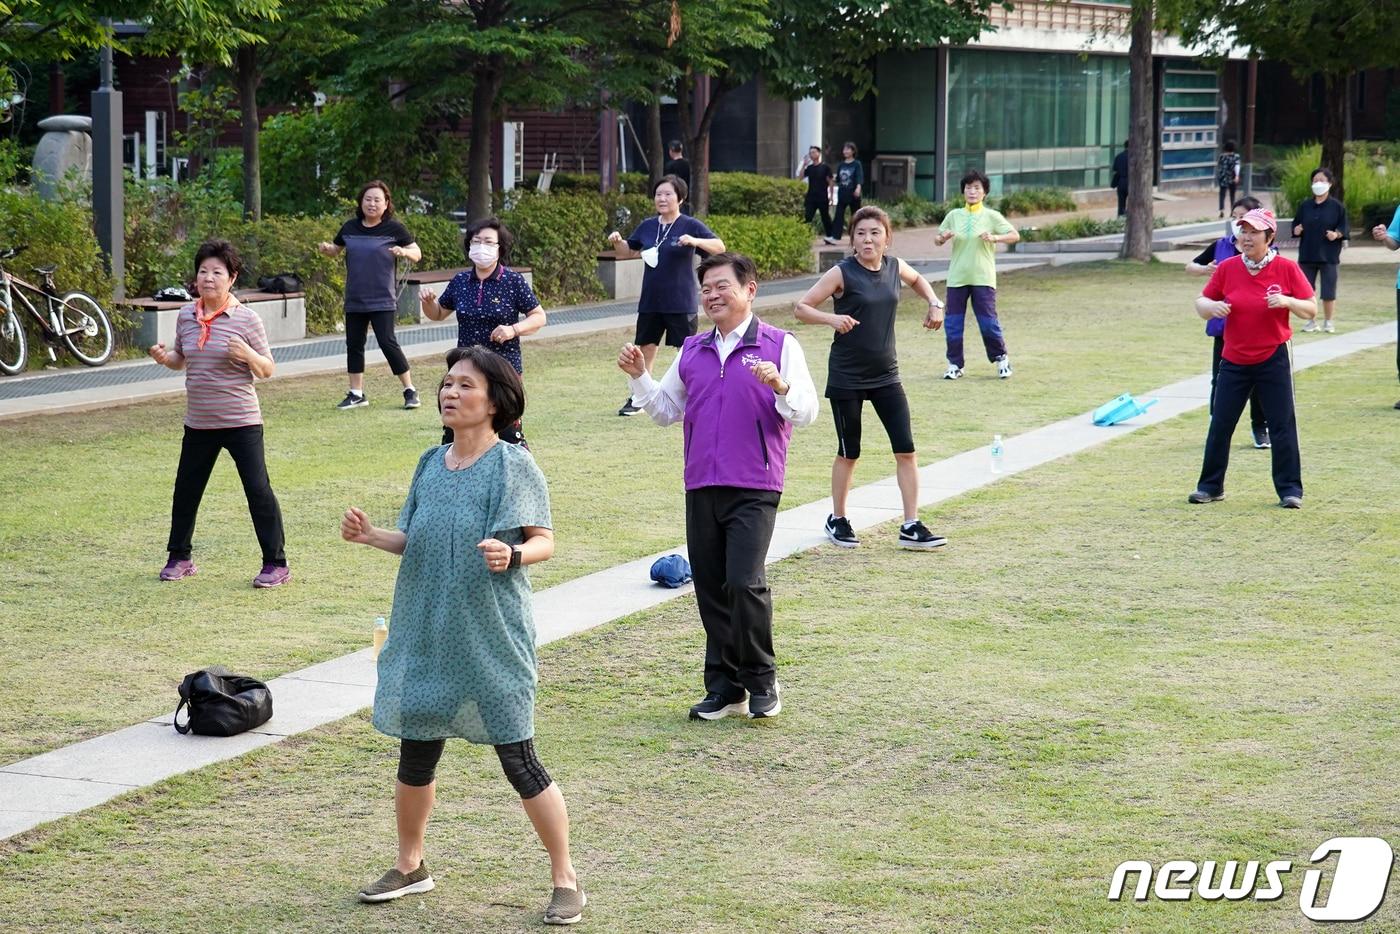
pixel 460 659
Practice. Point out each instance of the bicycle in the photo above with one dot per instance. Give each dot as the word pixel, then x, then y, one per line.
pixel 74 319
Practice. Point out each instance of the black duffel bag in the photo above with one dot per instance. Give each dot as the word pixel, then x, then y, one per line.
pixel 222 703
pixel 282 283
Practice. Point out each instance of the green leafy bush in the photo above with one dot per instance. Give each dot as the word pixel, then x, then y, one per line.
pixel 559 235
pixel 1369 178
pixel 165 223
pixel 1377 212
pixel 1075 228
pixel 57 232
pixel 440 239
pixel 1034 201
pixel 777 245
pixel 913 211
pixel 749 195
pixel 625 211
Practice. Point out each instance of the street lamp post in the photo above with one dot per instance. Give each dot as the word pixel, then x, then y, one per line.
pixel 108 210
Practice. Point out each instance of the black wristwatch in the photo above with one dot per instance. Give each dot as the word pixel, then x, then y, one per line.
pixel 516 554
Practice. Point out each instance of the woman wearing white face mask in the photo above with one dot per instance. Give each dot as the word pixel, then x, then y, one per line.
pixel 670 300
pixel 1320 224
pixel 489 300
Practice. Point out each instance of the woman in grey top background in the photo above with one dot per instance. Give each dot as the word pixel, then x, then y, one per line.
pixel 373 241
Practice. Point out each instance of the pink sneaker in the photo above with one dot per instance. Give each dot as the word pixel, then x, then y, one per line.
pixel 272 575
pixel 176 569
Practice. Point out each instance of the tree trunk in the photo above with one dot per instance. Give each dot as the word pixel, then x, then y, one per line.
pixel 700 151
pixel 1137 235
pixel 656 151
pixel 486 86
pixel 248 102
pixel 1335 106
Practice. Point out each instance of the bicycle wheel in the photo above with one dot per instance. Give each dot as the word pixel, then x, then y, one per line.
pixel 14 347
pixel 86 330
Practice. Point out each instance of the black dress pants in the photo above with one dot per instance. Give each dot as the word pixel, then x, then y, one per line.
pixel 810 207
pixel 1273 379
pixel 198 453
pixel 1256 411
pixel 727 531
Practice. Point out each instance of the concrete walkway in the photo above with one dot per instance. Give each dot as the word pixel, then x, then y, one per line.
pixel 80 776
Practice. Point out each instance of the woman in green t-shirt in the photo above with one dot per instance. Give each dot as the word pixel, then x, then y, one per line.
pixel 972 274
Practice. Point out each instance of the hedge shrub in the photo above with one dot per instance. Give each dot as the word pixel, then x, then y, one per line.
pixel 440 239
pixel 1034 201
pixel 777 245
pixel 559 236
pixel 625 211
pixel 1076 227
pixel 745 194
pixel 165 223
pixel 1377 212
pixel 1362 182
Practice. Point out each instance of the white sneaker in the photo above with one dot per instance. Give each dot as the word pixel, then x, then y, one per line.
pixel 1311 327
pixel 1328 327
pixel 1003 366
pixel 954 372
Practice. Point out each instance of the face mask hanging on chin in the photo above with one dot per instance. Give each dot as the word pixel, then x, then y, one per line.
pixel 650 256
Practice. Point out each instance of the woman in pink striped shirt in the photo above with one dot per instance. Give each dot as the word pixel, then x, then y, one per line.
pixel 222 347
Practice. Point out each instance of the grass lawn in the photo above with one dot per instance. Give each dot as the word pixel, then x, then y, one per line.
pixel 1092 671
pixel 95 642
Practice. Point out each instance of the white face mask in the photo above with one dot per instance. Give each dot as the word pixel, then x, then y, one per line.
pixel 650 256
pixel 1321 188
pixel 484 254
pixel 1234 228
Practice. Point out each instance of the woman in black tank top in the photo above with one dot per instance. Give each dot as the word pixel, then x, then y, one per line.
pixel 863 365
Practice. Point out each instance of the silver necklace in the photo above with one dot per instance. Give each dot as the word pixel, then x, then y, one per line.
pixel 465 461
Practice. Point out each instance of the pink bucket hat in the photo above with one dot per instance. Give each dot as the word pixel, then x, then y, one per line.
pixel 1260 219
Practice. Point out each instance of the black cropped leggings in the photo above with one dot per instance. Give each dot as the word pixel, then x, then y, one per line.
pixel 357 325
pixel 418 761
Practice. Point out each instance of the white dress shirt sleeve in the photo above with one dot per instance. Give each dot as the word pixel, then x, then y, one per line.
pixel 800 404
pixel 664 401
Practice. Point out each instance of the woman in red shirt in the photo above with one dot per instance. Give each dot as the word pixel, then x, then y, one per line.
pixel 1257 291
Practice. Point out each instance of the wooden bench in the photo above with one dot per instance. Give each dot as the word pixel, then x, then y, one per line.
pixel 434 282
pixel 283 316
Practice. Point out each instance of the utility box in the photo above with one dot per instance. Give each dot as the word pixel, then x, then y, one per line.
pixel 894 177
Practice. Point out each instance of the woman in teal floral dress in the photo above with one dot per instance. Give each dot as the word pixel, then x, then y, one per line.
pixel 460 659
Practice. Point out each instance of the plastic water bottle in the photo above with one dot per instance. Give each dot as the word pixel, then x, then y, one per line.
pixel 998 451
pixel 381 632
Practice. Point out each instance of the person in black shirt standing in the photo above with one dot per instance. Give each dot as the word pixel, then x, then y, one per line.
pixel 1119 183
pixel 863 366
pixel 820 181
pixel 373 241
pixel 677 165
pixel 850 177
pixel 1320 224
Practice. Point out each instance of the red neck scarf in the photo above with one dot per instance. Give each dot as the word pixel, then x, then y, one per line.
pixel 206 320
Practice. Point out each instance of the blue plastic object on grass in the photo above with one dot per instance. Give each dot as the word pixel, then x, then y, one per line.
pixel 671 571
pixel 1121 409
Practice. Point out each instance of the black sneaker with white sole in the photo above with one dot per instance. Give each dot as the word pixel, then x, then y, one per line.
pixel 916 535
pixel 1261 438
pixel 628 408
pixel 716 706
pixel 410 398
pixel 763 706
pixel 352 400
pixel 838 529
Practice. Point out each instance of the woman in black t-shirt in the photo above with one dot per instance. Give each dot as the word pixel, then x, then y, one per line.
pixel 863 366
pixel 373 241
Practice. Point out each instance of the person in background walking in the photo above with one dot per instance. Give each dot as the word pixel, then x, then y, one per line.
pixel 1205 264
pixel 373 241
pixel 1321 226
pixel 489 300
pixel 863 366
pixel 820 182
pixel 972 273
pixel 1227 173
pixel 737 429
pixel 669 303
pixel 222 347
pixel 677 165
pixel 1256 291
pixel 1119 183
pixel 850 181
pixel 1390 236
pixel 460 659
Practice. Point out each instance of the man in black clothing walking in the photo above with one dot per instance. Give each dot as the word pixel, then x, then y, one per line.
pixel 820 181
pixel 677 165
pixel 1120 179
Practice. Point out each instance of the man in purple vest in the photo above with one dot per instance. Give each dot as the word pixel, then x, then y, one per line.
pixel 738 389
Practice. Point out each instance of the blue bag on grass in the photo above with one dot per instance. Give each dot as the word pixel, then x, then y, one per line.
pixel 671 571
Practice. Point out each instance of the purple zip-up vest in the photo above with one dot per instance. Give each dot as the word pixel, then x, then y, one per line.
pixel 734 435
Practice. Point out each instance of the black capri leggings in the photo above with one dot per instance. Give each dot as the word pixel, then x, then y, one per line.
pixel 357 325
pixel 890 405
pixel 418 759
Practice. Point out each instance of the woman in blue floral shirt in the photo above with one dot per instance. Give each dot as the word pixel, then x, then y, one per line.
pixel 489 300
